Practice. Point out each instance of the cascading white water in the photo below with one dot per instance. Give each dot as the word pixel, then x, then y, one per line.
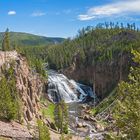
pixel 61 88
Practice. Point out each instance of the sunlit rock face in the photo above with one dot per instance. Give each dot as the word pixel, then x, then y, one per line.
pixel 61 88
pixel 8 56
pixel 29 85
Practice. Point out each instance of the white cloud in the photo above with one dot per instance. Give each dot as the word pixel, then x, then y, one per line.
pixel 12 13
pixel 124 7
pixel 85 17
pixel 38 14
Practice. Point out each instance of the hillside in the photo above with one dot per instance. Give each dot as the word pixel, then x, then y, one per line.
pixel 26 39
pixel 99 57
pixel 100 64
pixel 22 101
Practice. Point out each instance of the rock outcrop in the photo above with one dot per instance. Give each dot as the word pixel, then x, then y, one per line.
pixel 14 131
pixel 29 88
pixel 7 57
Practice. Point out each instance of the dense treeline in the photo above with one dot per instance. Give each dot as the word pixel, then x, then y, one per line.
pixel 91 45
pixel 97 54
pixel 95 44
pixel 61 56
pixel 103 51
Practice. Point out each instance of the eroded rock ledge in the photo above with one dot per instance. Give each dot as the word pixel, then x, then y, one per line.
pixel 14 131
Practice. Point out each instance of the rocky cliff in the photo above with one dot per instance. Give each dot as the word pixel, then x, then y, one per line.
pixel 29 87
pixel 29 84
pixel 104 76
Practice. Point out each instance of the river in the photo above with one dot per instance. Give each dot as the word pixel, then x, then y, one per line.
pixel 75 95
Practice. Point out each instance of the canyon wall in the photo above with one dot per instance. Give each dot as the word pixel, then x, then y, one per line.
pixel 29 84
pixel 104 76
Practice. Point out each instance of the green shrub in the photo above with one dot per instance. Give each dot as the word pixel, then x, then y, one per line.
pixel 43 131
pixel 9 106
pixel 61 117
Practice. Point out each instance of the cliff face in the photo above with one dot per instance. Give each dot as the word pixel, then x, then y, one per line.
pixel 104 76
pixel 29 86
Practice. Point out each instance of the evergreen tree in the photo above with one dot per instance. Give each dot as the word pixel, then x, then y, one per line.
pixel 65 117
pixel 61 117
pixel 58 117
pixel 6 41
pixel 43 131
pixel 127 111
pixel 8 107
pixel 9 101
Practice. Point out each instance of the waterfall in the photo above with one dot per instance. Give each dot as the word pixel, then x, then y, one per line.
pixel 61 88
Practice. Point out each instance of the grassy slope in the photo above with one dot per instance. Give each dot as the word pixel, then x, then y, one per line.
pixel 25 39
pixel 48 112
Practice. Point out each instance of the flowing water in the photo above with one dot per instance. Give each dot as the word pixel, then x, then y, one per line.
pixel 75 110
pixel 74 94
pixel 61 88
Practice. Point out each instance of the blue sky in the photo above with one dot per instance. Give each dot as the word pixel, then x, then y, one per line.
pixel 64 18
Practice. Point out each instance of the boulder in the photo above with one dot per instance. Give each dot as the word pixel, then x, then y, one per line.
pixel 15 131
pixel 79 125
pixel 86 118
pixel 84 124
pixel 99 127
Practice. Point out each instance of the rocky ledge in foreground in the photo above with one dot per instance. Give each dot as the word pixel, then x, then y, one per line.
pixel 14 131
